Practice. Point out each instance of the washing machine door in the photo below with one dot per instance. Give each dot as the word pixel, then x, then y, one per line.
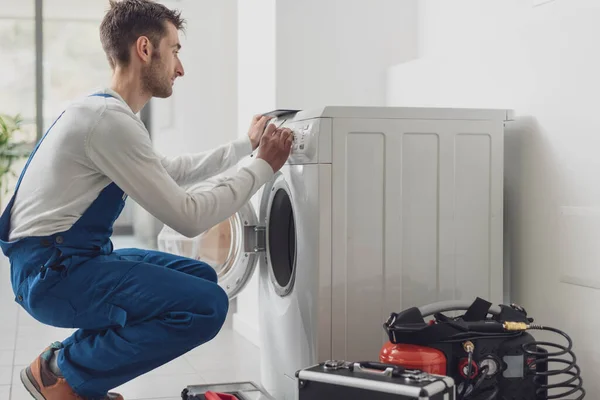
pixel 278 214
pixel 231 248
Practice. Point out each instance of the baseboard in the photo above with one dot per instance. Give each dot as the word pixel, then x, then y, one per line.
pixel 246 330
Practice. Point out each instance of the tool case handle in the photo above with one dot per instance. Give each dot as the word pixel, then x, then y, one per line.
pixel 377 368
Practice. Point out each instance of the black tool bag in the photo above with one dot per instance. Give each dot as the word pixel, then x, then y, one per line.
pixel 370 380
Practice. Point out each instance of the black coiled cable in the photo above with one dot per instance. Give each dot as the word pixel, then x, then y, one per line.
pixel 573 384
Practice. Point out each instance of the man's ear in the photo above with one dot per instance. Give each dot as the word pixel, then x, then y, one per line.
pixel 143 47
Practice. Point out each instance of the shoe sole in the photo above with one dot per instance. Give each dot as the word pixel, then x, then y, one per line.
pixel 30 387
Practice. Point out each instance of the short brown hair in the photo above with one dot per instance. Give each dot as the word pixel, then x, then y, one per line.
pixel 127 20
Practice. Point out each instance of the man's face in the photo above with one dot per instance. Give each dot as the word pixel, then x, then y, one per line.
pixel 165 66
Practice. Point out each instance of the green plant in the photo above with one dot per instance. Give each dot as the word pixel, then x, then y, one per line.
pixel 10 150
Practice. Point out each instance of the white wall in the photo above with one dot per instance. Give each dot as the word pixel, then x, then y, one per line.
pixel 543 62
pixel 312 53
pixel 201 113
pixel 336 52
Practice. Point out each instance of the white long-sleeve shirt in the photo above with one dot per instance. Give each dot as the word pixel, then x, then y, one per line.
pixel 99 140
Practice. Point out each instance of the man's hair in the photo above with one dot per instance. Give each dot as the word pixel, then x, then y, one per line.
pixel 127 20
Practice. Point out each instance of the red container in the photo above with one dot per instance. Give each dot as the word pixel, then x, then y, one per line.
pixel 411 356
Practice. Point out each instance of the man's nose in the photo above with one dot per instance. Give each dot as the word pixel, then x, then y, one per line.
pixel 179 70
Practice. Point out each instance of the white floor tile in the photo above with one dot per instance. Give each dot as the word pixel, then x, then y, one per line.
pixel 18 390
pixel 5 392
pixel 232 374
pixel 8 338
pixel 6 375
pixel 6 358
pixel 227 350
pixel 25 319
pixel 26 356
pixel 8 310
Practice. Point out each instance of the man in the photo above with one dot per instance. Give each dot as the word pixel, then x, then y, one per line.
pixel 135 309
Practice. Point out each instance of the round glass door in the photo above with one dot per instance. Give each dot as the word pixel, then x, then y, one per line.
pixel 281 238
pixel 218 246
pixel 229 247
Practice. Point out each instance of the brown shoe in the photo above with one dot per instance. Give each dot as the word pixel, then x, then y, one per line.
pixel 43 384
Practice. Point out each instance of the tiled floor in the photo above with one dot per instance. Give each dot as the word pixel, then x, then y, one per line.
pixel 228 357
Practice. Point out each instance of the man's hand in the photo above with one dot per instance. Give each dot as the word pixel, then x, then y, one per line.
pixel 257 128
pixel 275 146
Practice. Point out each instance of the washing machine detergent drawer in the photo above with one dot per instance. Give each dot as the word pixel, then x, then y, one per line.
pixel 225 391
pixel 370 380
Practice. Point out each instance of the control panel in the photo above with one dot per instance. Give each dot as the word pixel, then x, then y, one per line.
pixel 301 138
pixel 305 145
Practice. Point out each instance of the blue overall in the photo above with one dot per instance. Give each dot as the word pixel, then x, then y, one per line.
pixel 135 310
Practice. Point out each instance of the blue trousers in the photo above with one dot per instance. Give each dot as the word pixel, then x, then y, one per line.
pixel 136 311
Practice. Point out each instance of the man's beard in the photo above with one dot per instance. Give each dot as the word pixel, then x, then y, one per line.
pixel 154 81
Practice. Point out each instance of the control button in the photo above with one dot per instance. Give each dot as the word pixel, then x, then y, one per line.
pixel 59 239
pixel 302 146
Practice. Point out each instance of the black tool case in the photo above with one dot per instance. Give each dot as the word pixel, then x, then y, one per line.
pixel 370 380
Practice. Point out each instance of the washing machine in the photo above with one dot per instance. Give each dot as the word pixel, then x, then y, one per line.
pixel 377 209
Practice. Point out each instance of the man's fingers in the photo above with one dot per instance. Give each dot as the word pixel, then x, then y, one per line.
pixel 287 134
pixel 289 140
pixel 288 146
pixel 262 122
pixel 271 128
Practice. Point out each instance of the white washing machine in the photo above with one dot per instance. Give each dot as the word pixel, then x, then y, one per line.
pixel 377 210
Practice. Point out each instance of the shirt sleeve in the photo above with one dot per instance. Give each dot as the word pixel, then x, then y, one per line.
pixel 120 147
pixel 192 168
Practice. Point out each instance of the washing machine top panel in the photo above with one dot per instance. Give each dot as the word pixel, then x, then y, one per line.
pixel 313 128
pixel 477 114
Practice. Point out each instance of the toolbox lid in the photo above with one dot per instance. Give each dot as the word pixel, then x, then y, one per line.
pixel 405 385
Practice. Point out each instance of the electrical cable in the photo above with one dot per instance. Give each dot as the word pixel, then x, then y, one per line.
pixel 482 375
pixel 575 384
pixel 474 393
pixel 469 347
pixel 462 337
pixel 467 380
